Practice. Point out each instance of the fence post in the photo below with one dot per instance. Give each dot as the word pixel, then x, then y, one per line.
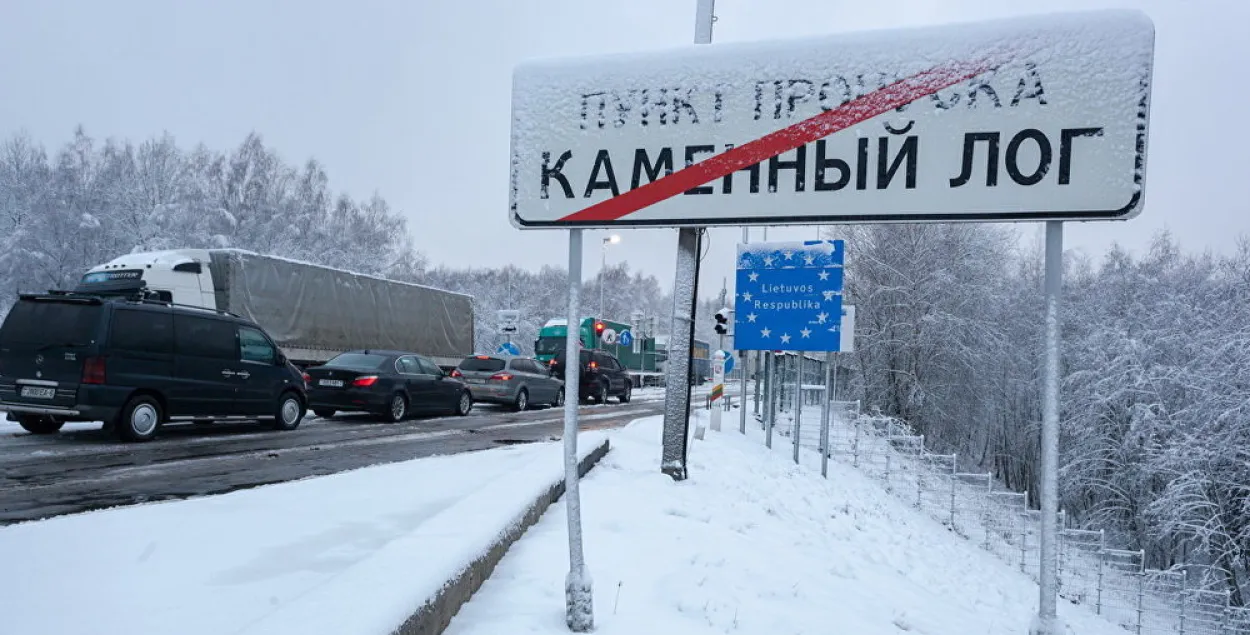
pixel 1184 598
pixel 954 471
pixel 985 507
pixel 1102 556
pixel 1141 591
pixel 855 444
pixel 1024 546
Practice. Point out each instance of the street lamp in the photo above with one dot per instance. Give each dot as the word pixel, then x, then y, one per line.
pixel 610 240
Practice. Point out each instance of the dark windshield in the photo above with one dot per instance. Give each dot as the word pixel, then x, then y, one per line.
pixel 35 323
pixel 358 361
pixel 488 365
pixel 549 345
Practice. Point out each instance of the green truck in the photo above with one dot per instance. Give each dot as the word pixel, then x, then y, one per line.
pixel 645 361
pixel 605 335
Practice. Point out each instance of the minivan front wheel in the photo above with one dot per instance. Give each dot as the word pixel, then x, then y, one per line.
pixel 290 412
pixel 139 419
pixel 39 424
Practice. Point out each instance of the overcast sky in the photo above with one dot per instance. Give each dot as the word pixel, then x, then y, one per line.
pixel 412 98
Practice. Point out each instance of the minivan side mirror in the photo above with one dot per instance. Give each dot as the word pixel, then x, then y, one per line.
pixel 282 359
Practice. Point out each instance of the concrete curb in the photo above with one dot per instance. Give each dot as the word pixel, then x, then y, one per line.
pixel 433 617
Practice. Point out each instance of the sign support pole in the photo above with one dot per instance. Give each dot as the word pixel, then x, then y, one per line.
pixel 685 299
pixel 770 397
pixel 742 355
pixel 681 351
pixel 798 401
pixel 1047 605
pixel 578 594
pixel 826 405
pixel 742 399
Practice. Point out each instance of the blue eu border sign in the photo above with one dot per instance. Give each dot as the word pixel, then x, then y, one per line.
pixel 789 296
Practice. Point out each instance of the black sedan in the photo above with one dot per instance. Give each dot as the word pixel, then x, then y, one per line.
pixel 392 384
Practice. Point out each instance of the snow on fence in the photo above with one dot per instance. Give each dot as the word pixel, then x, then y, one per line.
pixel 1111 582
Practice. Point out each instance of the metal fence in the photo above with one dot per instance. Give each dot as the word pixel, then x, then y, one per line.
pixel 1109 581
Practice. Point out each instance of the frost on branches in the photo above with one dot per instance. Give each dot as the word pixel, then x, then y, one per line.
pixel 1155 396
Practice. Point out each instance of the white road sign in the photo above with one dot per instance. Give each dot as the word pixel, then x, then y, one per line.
pixel 1042 118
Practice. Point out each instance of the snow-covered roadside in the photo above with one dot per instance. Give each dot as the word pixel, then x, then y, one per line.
pixel 755 544
pixel 354 552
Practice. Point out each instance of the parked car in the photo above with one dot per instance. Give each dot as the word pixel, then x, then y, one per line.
pixel 602 376
pixel 136 363
pixel 391 384
pixel 519 382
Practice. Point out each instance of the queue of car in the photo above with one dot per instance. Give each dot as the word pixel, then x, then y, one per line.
pixel 138 362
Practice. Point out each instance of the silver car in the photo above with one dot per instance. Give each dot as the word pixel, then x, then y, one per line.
pixel 520 382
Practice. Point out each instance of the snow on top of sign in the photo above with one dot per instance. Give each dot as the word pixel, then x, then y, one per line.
pixel 791 254
pixel 571 115
pixel 908 43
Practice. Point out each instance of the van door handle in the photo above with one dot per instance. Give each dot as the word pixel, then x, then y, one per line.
pixel 227 373
pixel 243 374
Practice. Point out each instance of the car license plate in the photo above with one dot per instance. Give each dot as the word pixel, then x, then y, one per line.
pixel 477 381
pixel 332 383
pixel 38 393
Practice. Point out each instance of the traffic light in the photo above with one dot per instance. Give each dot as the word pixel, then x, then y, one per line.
pixel 722 322
pixel 599 326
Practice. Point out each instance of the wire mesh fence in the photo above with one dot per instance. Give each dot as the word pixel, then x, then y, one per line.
pixel 1114 583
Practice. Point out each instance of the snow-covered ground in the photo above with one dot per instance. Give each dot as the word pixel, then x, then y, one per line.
pixel 752 543
pixel 355 552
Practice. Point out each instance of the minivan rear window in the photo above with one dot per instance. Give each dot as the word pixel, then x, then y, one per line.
pixel 36 323
pixel 477 364
pixel 358 361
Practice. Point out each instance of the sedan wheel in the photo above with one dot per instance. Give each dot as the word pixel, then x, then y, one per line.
pixel 522 401
pixel 465 404
pixel 559 399
pixel 399 408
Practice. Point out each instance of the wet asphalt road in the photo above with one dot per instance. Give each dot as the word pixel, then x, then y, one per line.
pixel 84 469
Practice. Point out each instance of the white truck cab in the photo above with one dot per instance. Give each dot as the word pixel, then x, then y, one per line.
pixel 181 276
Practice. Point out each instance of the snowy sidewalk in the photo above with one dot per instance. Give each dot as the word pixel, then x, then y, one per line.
pixel 355 552
pixel 753 544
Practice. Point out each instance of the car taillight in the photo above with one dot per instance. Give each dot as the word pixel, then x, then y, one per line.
pixel 594 365
pixel 501 376
pixel 93 371
pixel 366 381
pixel 455 372
pixel 307 379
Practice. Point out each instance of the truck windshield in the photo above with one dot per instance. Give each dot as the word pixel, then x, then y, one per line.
pixel 357 361
pixel 549 345
pixel 35 323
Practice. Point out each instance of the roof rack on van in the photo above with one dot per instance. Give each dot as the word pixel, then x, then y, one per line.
pixel 147 297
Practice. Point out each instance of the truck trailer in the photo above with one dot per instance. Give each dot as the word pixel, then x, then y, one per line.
pixel 313 312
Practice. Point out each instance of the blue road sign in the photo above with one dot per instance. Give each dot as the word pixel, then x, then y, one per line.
pixel 626 338
pixel 789 296
pixel 729 362
pixel 508 348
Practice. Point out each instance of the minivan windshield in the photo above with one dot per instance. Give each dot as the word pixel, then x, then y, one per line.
pixel 357 361
pixel 35 323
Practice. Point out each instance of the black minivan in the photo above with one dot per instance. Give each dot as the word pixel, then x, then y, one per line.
pixel 136 363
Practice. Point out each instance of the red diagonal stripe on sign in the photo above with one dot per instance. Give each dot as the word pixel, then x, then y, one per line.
pixel 820 126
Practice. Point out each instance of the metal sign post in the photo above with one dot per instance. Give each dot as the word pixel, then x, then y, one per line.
pixel 1048 584
pixel 825 405
pixel 578 594
pixel 798 402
